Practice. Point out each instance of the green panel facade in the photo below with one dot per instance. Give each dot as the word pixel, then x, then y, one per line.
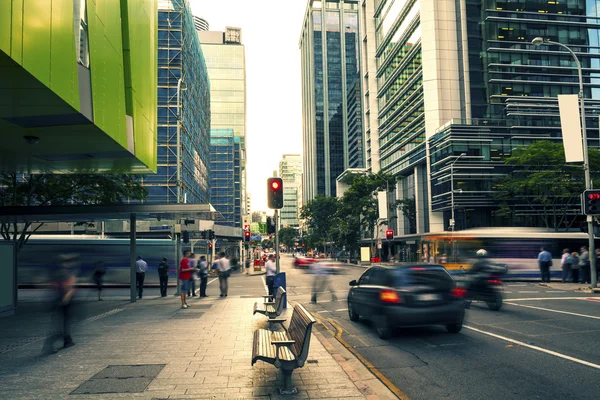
pixel 80 73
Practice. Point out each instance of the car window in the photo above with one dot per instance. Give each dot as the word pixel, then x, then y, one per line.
pixel 379 277
pixel 422 276
pixel 364 279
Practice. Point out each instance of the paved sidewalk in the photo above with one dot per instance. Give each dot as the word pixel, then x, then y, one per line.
pixel 576 287
pixel 203 352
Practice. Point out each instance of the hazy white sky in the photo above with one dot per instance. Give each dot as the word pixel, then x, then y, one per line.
pixel 270 33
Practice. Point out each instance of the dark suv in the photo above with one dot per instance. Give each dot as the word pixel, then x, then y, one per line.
pixel 407 295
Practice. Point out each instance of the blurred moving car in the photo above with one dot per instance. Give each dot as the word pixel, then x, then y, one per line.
pixel 407 295
pixel 303 262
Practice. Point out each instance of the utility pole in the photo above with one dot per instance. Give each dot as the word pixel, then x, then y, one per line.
pixel 276 221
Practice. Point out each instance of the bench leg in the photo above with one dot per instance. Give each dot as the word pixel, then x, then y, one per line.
pixel 287 382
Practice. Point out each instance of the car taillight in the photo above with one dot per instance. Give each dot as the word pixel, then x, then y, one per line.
pixel 495 281
pixel 458 292
pixel 389 296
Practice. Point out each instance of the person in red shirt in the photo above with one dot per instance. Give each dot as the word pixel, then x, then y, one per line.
pixel 185 273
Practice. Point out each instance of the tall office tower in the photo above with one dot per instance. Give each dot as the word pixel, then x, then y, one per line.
pixel 225 174
pixel 331 107
pixel 201 24
pixel 183 111
pixel 460 86
pixel 226 62
pixel 290 170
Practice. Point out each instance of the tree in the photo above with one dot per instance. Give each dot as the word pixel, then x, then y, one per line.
pixel 321 218
pixel 287 236
pixel 359 202
pixel 409 210
pixel 542 184
pixel 62 189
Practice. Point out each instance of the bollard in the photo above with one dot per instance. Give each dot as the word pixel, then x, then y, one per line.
pixel 280 281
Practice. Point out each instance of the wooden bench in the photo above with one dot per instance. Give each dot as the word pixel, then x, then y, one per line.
pixel 271 308
pixel 286 350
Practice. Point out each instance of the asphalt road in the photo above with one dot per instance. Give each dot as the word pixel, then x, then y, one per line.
pixel 544 343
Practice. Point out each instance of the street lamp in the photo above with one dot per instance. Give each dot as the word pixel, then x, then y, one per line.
pixel 538 41
pixel 452 221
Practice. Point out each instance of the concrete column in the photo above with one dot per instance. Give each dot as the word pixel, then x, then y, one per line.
pixel 132 255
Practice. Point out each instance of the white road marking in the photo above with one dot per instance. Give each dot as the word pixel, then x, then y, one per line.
pixel 541 349
pixel 506 291
pixel 551 310
pixel 324 311
pixel 554 291
pixel 529 291
pixel 510 284
pixel 547 298
pixel 212 281
pixel 342 309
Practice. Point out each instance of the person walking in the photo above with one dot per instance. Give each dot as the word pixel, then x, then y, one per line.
pixel 224 270
pixel 98 276
pixel 574 263
pixel 271 269
pixel 163 277
pixel 185 273
pixel 321 281
pixel 203 273
pixel 565 264
pixel 545 262
pixel 63 281
pixel 194 273
pixel 584 262
pixel 140 273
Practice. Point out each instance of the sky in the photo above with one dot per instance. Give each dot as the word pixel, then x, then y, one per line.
pixel 270 33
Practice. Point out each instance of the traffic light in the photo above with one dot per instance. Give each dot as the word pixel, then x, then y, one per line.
pixel 203 234
pixel 275 193
pixel 247 236
pixel 270 226
pixel 210 245
pixel 389 234
pixel 591 202
pixel 210 234
pixel 186 236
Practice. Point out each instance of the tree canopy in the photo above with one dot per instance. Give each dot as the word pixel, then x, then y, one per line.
pixel 62 189
pixel 542 183
pixel 287 236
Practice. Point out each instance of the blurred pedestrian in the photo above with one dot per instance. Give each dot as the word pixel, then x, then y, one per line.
pixel 247 266
pixel 63 281
pixel 140 274
pixel 544 263
pixel 98 276
pixel 565 264
pixel 163 277
pixel 194 277
pixel 271 268
pixel 322 282
pixel 185 273
pixel 224 270
pixel 203 273
pixel 575 266
pixel 584 262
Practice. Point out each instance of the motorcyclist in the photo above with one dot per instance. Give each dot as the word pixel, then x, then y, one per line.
pixel 479 272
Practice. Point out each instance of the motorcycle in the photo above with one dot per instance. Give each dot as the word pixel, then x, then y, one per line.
pixel 486 286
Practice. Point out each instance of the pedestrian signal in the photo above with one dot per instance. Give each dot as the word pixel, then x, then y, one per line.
pixel 389 234
pixel 275 193
pixel 591 202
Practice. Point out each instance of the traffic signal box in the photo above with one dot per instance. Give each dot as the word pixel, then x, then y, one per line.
pixel 591 202
pixel 389 234
pixel 275 193
pixel 247 236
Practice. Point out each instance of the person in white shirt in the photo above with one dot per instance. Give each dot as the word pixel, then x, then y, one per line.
pixel 140 273
pixel 223 269
pixel 271 271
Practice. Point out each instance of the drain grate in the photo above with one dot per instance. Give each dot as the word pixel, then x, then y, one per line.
pixel 120 379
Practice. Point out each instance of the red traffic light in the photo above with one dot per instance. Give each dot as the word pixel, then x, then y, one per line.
pixel 389 234
pixel 594 196
pixel 210 245
pixel 247 234
pixel 275 185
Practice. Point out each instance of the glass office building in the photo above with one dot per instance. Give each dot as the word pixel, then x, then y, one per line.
pixel 183 160
pixel 226 63
pixel 332 126
pixel 290 171
pixel 225 174
pixel 462 77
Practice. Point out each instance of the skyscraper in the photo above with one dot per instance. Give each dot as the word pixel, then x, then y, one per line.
pixel 226 62
pixel 225 174
pixel 201 24
pixel 459 87
pixel 290 170
pixel 331 107
pixel 184 131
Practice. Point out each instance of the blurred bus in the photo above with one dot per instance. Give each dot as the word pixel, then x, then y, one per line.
pixel 518 248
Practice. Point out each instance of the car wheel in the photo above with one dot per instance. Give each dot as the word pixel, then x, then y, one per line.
pixel 352 314
pixel 454 328
pixel 496 304
pixel 382 327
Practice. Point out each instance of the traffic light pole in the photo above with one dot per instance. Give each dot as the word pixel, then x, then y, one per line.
pixel 276 217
